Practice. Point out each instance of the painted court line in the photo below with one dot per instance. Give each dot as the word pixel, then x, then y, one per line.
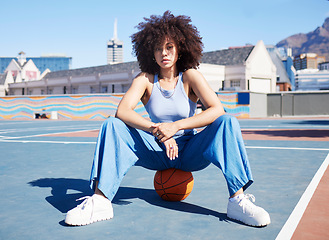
pixel 20 130
pixel 50 134
pixel 58 142
pixel 289 148
pixel 291 224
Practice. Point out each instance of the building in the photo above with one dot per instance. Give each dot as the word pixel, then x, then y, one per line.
pixel 244 68
pixel 115 78
pixel 19 71
pixel 312 80
pixel 235 69
pixel 291 71
pixel 114 48
pixel 285 71
pixel 324 66
pixel 52 62
pixel 308 61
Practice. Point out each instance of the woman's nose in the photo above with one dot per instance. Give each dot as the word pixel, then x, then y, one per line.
pixel 164 52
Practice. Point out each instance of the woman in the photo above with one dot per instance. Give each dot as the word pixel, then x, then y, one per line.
pixel 168 50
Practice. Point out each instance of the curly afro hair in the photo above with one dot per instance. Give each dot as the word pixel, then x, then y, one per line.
pixel 153 31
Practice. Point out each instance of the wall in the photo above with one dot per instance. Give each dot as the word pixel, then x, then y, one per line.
pixel 93 106
pixel 298 103
pixel 236 103
pixel 76 107
pixel 215 75
pixel 100 106
pixel 258 105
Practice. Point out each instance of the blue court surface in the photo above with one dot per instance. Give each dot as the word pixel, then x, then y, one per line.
pixel 42 174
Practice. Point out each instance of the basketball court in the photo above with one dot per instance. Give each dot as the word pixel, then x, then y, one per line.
pixel 45 167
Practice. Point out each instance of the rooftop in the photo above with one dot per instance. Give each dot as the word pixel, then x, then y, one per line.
pixel 114 68
pixel 232 56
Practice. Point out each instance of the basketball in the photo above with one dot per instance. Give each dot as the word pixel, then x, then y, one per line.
pixel 173 184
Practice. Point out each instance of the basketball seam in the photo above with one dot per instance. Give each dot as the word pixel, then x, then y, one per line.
pixel 163 188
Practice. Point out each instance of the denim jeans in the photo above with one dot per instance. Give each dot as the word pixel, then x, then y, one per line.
pixel 120 146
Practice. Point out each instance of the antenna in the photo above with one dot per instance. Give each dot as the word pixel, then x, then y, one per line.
pixel 115 33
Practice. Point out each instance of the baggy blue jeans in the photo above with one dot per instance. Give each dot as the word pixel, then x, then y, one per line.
pixel 120 146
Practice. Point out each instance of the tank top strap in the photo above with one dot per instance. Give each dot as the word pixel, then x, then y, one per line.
pixel 155 80
pixel 180 81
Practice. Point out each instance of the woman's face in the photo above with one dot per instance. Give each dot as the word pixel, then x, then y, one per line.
pixel 166 54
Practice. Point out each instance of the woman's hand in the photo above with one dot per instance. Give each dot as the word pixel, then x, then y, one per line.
pixel 164 131
pixel 171 148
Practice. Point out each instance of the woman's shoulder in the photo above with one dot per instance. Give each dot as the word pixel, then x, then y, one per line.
pixel 191 75
pixel 144 77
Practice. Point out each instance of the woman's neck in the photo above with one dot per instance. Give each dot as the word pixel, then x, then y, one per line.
pixel 168 74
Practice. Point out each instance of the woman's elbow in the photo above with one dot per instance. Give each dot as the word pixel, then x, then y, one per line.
pixel 118 113
pixel 218 110
pixel 221 110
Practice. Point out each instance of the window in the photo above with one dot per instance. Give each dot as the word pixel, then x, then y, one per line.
pixel 235 83
pixel 92 90
pixel 104 89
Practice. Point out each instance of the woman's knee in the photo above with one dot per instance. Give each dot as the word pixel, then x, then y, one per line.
pixel 113 122
pixel 224 119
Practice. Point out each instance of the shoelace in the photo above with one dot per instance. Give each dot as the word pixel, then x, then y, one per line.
pixel 250 197
pixel 245 200
pixel 87 201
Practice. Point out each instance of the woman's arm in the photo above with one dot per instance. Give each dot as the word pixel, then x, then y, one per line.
pixel 125 110
pixel 208 97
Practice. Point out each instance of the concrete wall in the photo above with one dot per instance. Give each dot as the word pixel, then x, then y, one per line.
pixel 258 105
pixel 298 103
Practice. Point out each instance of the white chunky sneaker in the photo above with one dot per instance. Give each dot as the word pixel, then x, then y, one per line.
pixel 245 211
pixel 92 209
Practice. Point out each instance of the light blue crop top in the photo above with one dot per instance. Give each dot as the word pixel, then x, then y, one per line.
pixel 170 105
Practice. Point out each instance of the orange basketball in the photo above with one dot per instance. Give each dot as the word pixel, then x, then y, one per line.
pixel 173 184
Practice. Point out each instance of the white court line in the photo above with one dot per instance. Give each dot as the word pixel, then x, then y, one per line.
pixel 54 134
pixel 11 123
pixel 289 148
pixel 58 142
pixel 291 224
pixel 20 130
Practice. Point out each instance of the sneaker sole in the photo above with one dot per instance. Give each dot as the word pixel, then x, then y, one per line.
pixel 99 219
pixel 253 225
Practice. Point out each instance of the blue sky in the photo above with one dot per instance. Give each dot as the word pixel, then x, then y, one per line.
pixel 81 29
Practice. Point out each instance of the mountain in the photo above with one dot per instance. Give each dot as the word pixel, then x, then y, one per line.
pixel 316 41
